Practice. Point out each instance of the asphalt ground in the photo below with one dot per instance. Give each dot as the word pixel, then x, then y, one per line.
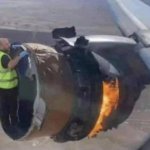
pixel 89 17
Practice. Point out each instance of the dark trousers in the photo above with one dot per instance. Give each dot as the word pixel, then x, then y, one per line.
pixel 8 106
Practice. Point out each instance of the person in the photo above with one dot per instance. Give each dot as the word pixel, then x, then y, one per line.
pixel 8 84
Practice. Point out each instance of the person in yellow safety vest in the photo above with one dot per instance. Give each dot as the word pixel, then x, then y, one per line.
pixel 8 84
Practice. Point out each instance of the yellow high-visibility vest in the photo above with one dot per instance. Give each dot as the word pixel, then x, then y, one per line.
pixel 8 77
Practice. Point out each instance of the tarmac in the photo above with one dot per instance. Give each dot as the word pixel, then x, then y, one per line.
pixel 33 21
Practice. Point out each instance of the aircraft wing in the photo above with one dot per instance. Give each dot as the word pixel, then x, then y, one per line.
pixel 131 15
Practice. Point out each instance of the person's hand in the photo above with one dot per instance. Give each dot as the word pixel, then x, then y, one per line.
pixel 23 54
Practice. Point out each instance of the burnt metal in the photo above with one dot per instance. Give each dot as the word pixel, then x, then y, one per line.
pixel 88 89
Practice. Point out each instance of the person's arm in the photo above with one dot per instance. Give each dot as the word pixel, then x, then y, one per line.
pixel 13 63
pixel 8 63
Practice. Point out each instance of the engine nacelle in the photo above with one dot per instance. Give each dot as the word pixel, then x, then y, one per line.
pixel 64 91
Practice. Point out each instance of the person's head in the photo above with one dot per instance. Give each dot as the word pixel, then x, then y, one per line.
pixel 4 44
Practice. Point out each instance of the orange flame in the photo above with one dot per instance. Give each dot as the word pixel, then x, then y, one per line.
pixel 109 104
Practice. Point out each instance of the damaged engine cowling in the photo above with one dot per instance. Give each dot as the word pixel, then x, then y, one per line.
pixel 70 92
